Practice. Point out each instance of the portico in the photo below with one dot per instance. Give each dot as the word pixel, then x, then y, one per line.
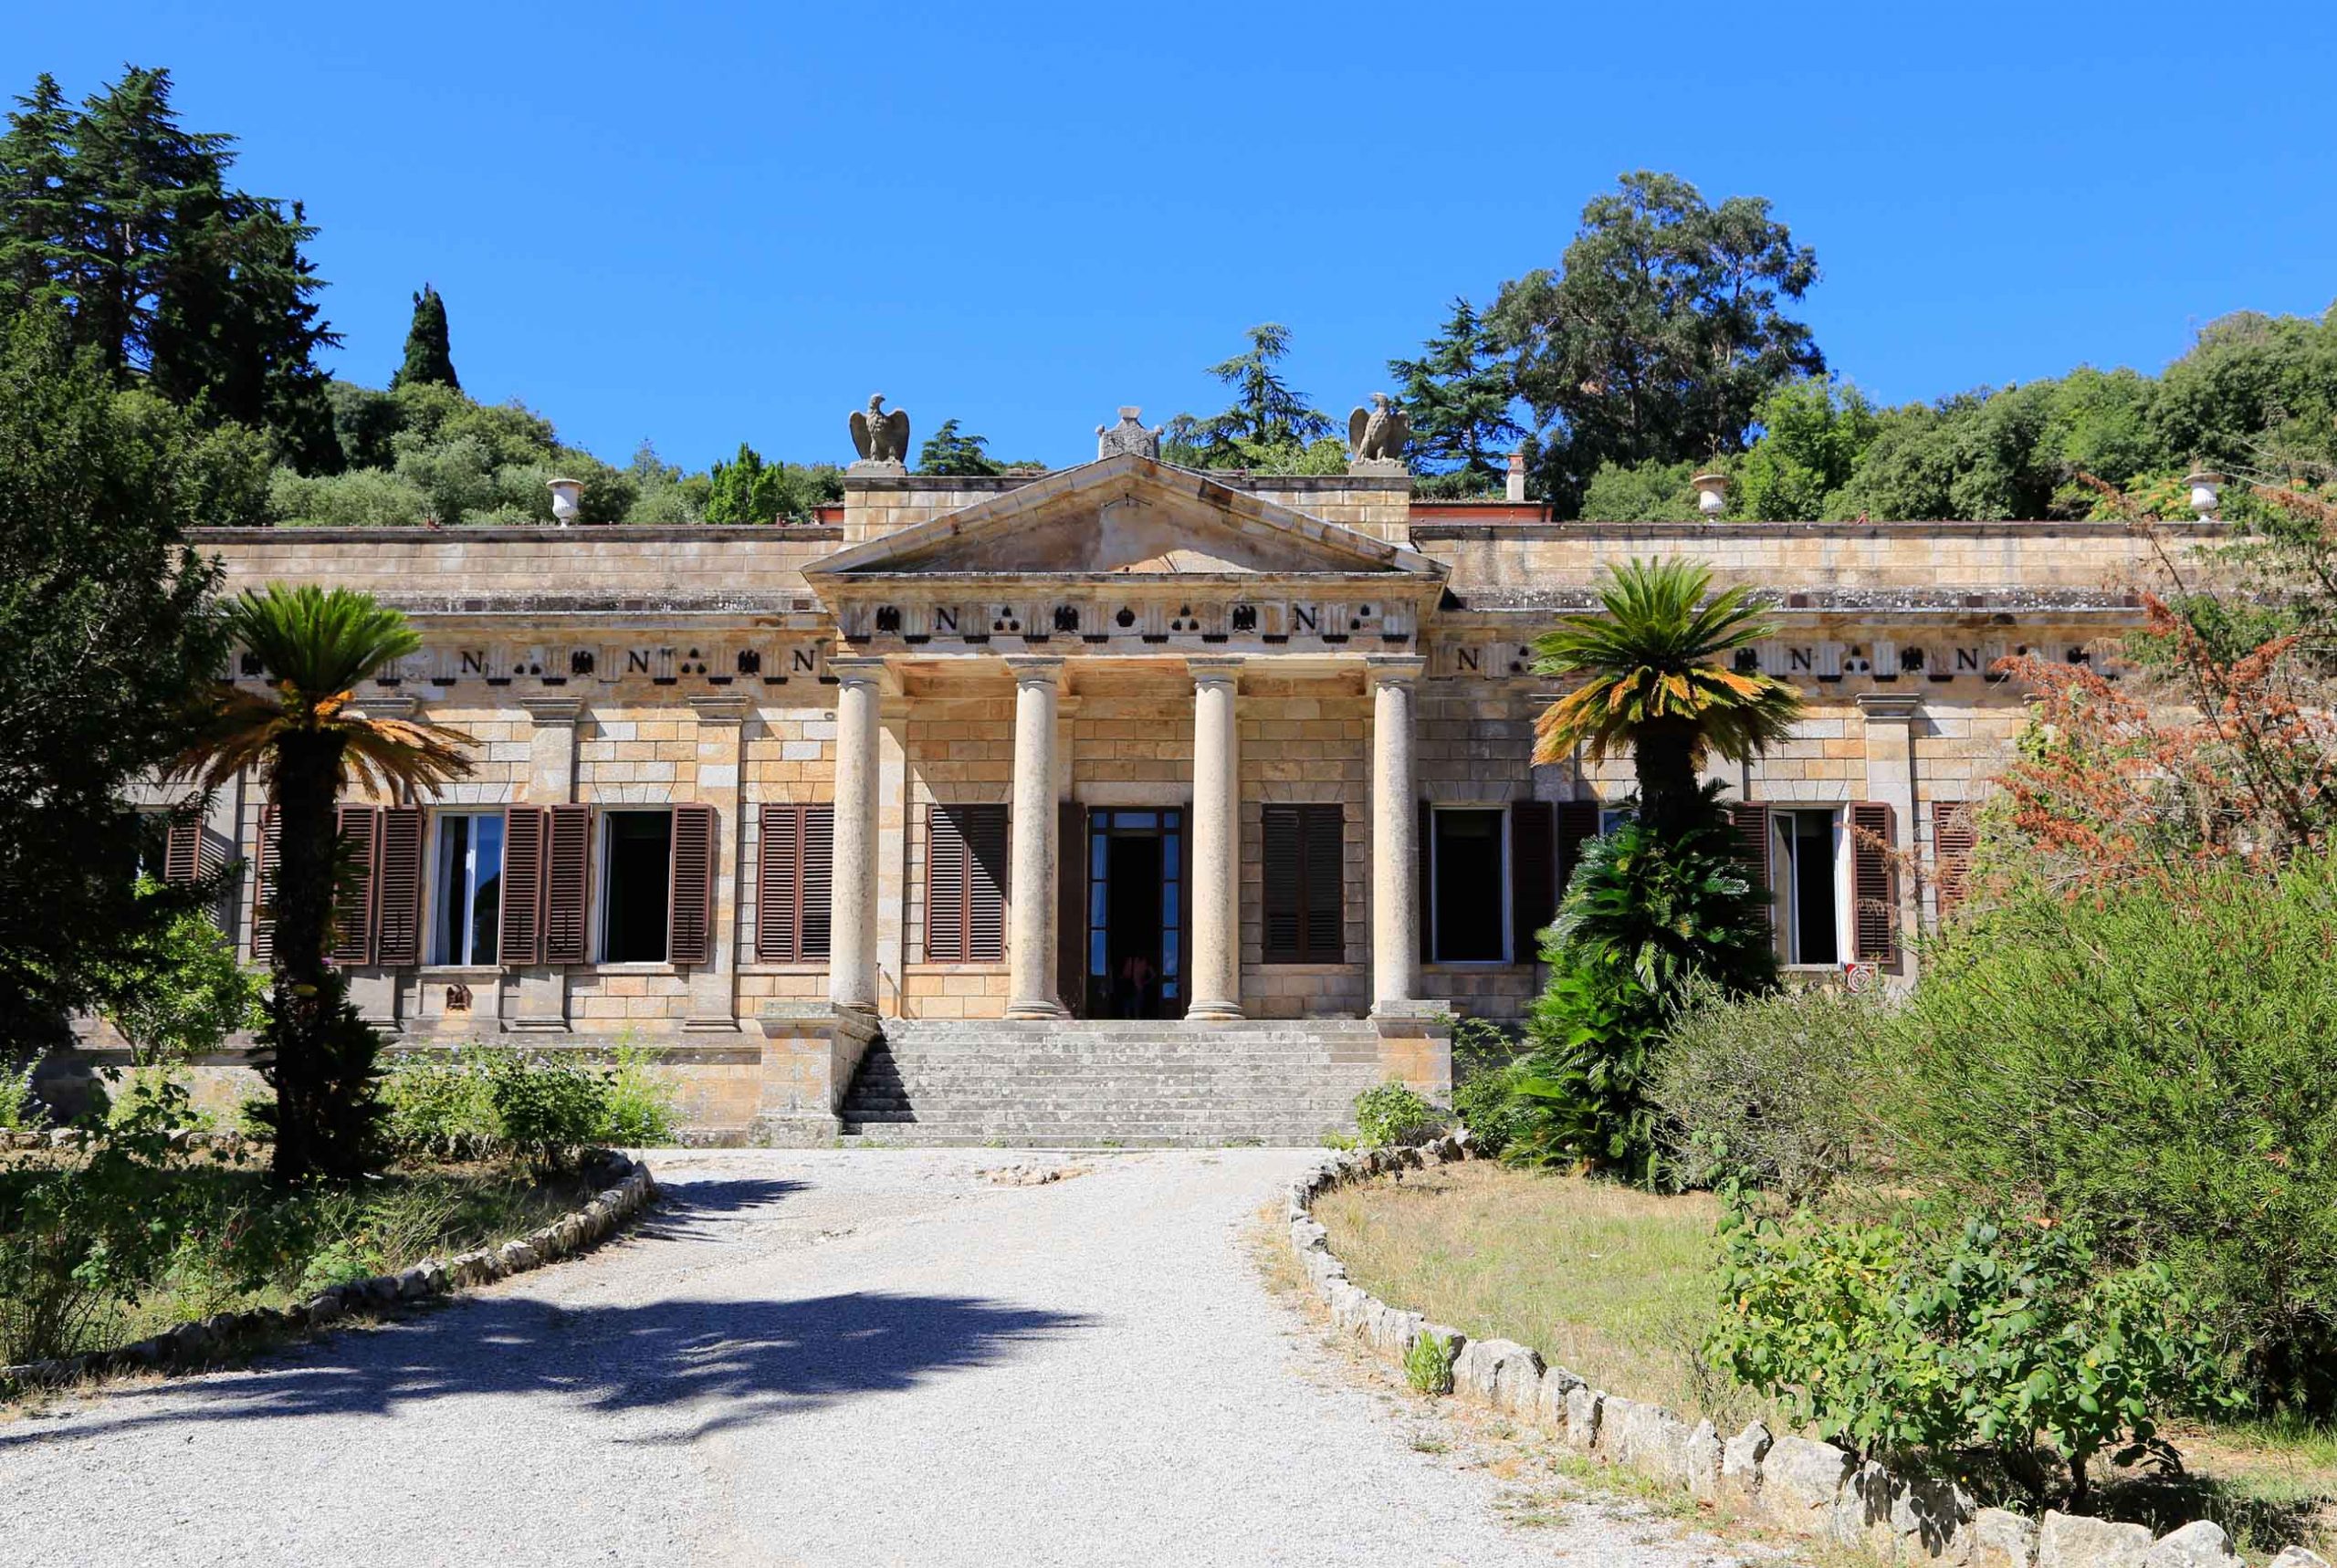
pixel 1078 586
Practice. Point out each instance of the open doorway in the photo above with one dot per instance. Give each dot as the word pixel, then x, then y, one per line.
pixel 1136 905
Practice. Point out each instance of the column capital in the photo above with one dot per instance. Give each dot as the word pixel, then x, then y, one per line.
pixel 1890 708
pixel 1035 669
pixel 1392 669
pixel 553 710
pixel 1208 668
pixel 860 670
pixel 724 709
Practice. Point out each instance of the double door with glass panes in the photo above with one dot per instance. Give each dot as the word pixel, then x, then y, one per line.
pixel 1136 912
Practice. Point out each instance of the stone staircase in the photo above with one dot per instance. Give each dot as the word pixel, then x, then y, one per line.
pixel 1081 1083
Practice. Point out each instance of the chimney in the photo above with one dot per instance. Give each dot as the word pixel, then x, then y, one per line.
pixel 1517 488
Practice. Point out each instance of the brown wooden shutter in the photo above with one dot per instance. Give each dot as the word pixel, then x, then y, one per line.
pixel 182 848
pixel 965 884
pixel 1423 853
pixel 1324 928
pixel 689 887
pixel 271 842
pixel 779 884
pixel 1532 875
pixel 945 887
pixel 1071 906
pixel 986 883
pixel 397 888
pixel 1280 864
pixel 568 885
pixel 1303 850
pixel 1954 838
pixel 819 880
pixel 353 903
pixel 1875 922
pixel 1578 825
pixel 521 940
pixel 1751 822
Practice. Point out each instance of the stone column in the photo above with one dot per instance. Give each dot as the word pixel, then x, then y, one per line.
pixel 1395 852
pixel 714 987
pixel 1891 777
pixel 1214 982
pixel 539 1002
pixel 1030 938
pixel 852 910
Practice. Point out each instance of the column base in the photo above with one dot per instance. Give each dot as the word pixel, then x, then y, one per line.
pixel 1039 1007
pixel 1214 1012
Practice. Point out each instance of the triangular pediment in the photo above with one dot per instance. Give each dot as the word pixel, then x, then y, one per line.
pixel 1125 515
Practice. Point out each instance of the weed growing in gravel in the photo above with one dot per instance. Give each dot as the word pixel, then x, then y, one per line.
pixel 1428 1365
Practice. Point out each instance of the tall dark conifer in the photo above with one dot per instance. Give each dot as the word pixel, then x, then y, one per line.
pixel 429 353
pixel 1459 394
pixel 173 277
pixel 39 204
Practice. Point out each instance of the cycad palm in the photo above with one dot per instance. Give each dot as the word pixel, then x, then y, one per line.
pixel 307 741
pixel 1657 682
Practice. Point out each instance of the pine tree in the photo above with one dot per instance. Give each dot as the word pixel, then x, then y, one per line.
pixel 429 356
pixel 946 451
pixel 175 279
pixel 38 201
pixel 1459 395
pixel 1267 418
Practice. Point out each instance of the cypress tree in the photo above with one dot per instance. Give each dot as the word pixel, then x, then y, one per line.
pixel 429 355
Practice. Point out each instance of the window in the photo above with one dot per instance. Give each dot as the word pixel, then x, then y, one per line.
pixel 965 884
pixel 1469 910
pixel 794 877
pixel 637 868
pixel 466 905
pixel 1805 869
pixel 1306 908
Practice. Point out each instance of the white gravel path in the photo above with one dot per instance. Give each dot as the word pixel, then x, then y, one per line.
pixel 853 1358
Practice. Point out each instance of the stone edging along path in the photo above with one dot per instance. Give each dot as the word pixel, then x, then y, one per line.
pixel 629 1188
pixel 1807 1489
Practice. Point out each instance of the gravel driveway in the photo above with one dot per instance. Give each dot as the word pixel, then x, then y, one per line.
pixel 861 1358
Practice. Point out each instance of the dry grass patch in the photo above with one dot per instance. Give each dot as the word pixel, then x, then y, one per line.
pixel 1611 1283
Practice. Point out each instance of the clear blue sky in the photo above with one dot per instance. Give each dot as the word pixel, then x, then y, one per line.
pixel 703 222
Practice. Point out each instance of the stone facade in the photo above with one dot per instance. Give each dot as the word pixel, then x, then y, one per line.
pixel 1106 644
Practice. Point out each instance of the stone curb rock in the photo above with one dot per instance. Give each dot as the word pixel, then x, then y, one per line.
pixel 630 1189
pixel 2199 1544
pixel 2068 1540
pixel 2299 1557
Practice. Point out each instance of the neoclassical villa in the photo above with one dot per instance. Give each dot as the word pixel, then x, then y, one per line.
pixel 1121 801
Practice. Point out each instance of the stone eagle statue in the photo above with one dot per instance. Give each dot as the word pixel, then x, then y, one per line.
pixel 1377 435
pixel 878 437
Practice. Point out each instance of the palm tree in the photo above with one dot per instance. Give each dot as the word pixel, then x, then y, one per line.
pixel 306 743
pixel 1658 684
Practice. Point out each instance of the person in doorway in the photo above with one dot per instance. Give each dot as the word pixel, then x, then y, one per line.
pixel 1136 979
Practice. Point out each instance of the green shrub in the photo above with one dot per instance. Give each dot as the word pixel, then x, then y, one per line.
pixel 1765 1088
pixel 1428 1364
pixel 1644 915
pixel 1486 1071
pixel 547 1111
pixel 79 1240
pixel 640 1104
pixel 443 1107
pixel 1889 1337
pixel 2163 1060
pixel 19 1110
pixel 141 1088
pixel 1393 1113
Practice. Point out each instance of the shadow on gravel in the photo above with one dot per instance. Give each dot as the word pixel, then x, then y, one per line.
pixel 713 1364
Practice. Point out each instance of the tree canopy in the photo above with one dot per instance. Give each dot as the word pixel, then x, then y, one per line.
pixel 175 278
pixel 1268 428
pixel 1460 393
pixel 104 613
pixel 1659 333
